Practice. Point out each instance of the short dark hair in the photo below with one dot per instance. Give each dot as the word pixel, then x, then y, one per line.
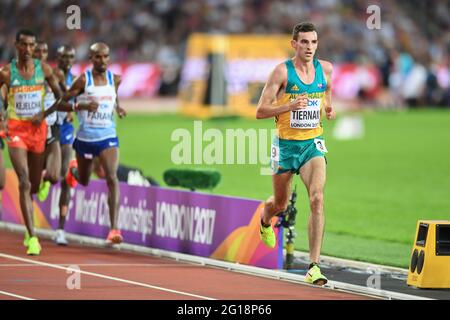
pixel 24 32
pixel 303 27
pixel 65 47
pixel 41 42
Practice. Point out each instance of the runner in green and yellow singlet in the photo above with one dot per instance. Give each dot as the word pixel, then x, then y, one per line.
pixel 298 95
pixel 25 78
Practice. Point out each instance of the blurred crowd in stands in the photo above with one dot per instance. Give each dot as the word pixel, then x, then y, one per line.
pixel 411 50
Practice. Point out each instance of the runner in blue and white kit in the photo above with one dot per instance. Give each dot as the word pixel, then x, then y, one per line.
pixel 96 92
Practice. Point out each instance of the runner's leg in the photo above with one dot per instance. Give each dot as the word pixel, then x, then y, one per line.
pixel 66 156
pixel 19 161
pixel 279 201
pixel 109 159
pixel 313 174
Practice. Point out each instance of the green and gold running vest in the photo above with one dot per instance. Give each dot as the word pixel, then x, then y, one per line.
pixel 302 124
pixel 26 97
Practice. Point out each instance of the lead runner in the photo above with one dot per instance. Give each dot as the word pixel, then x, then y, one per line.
pixel 296 94
pixel 25 80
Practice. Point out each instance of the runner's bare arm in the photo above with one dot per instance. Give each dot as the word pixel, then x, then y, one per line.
pixel 3 94
pixel 4 82
pixel 3 104
pixel 53 82
pixel 61 79
pixel 74 91
pixel 4 76
pixel 277 81
pixel 76 88
pixel 62 84
pixel 328 70
pixel 120 111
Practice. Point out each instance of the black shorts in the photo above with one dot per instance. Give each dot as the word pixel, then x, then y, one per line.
pixel 52 134
pixel 2 144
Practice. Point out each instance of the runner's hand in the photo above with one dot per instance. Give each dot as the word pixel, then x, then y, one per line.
pixel 91 106
pixel 38 118
pixel 121 112
pixel 330 113
pixel 300 102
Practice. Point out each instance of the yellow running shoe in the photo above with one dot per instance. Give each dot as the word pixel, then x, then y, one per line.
pixel 34 248
pixel 44 189
pixel 267 236
pixel 26 239
pixel 314 276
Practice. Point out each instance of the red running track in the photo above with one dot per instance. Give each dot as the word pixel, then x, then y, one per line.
pixel 111 274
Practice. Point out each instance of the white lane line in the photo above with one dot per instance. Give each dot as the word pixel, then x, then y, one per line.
pixel 15 295
pixel 149 265
pixel 98 275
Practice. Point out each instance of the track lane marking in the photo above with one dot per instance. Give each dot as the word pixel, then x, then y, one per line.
pixel 6 265
pixel 98 275
pixel 15 295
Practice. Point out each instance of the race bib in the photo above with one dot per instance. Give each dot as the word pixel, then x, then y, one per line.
pixel 275 153
pixel 49 100
pixel 102 118
pixel 27 104
pixel 320 145
pixel 307 118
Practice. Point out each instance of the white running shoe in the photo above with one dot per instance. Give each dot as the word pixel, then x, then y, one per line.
pixel 60 238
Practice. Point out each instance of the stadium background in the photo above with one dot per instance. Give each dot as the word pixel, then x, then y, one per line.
pixel 393 169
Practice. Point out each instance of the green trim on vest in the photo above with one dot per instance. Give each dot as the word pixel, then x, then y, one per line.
pixel 16 79
pixel 296 86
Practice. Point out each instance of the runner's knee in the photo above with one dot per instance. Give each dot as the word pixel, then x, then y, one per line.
pixel 111 179
pixel 64 170
pixel 24 183
pixel 316 199
pixel 25 186
pixel 83 178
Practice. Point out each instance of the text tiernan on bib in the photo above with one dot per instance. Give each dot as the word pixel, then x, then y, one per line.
pixel 302 124
pixel 308 118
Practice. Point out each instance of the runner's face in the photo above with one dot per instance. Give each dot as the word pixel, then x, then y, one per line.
pixel 100 60
pixel 66 59
pixel 25 47
pixel 41 52
pixel 306 45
